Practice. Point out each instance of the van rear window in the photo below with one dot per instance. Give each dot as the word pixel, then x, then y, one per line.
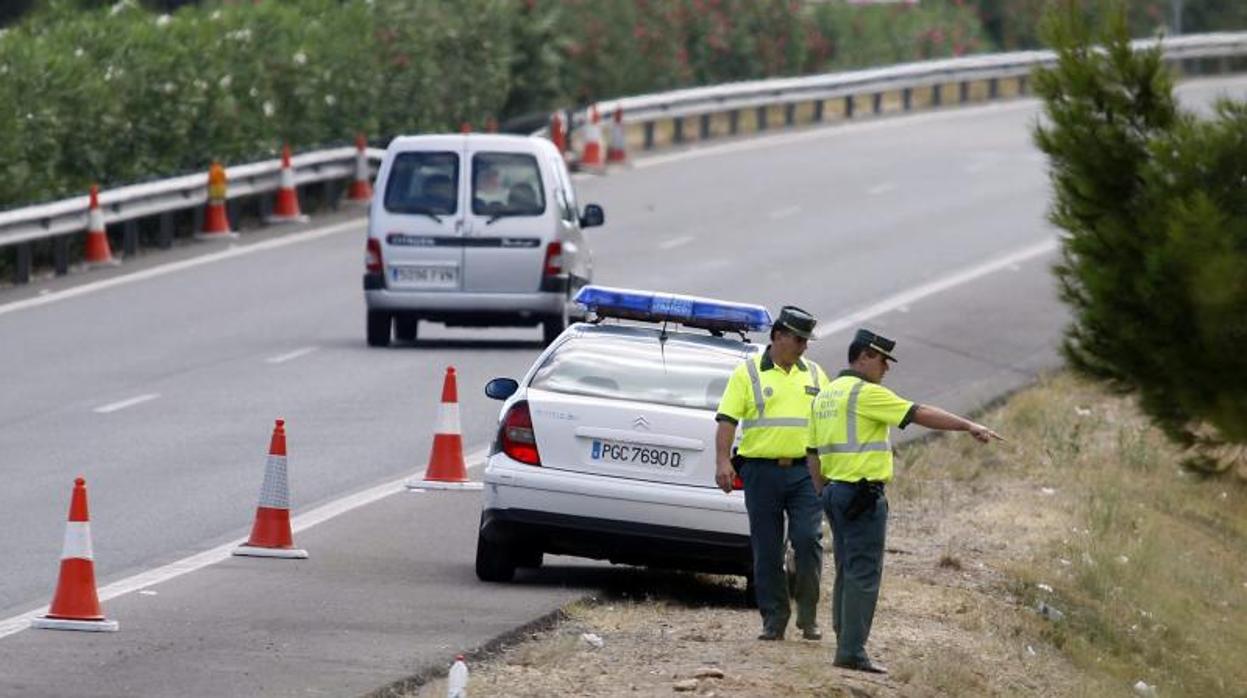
pixel 506 184
pixel 423 182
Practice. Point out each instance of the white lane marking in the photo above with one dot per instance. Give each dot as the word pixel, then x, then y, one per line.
pixel 230 253
pixel 784 212
pixel 761 141
pixel 302 522
pixel 122 404
pixel 907 297
pixel 676 242
pixel 283 358
pixel 881 189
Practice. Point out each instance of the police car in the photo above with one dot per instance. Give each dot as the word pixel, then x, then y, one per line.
pixel 605 448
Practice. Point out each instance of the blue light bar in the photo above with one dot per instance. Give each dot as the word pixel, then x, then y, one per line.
pixel 705 313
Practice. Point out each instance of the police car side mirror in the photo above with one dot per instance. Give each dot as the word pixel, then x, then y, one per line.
pixel 501 388
pixel 593 216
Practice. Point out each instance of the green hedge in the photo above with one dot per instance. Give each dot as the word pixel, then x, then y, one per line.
pixel 120 94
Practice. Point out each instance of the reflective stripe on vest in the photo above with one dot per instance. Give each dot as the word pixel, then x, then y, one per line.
pixel 755 380
pixel 851 444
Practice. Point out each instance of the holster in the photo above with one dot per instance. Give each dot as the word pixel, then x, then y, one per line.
pixel 865 495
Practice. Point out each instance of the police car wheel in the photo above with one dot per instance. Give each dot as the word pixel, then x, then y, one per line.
pixel 494 562
pixel 379 323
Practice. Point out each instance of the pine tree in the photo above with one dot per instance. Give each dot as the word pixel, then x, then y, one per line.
pixel 1154 256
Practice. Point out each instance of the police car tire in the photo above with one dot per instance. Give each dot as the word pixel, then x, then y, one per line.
pixel 379 324
pixel 405 327
pixel 494 562
pixel 530 558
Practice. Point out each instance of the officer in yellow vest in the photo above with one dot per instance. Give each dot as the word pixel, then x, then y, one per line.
pixel 769 397
pixel 850 462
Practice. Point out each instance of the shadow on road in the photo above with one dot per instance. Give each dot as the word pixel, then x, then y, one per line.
pixel 642 584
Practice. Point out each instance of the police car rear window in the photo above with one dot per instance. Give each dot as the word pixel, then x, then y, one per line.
pixel 679 374
pixel 423 182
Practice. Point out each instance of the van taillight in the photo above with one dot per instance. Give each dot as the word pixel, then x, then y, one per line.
pixel 554 259
pixel 372 257
pixel 516 435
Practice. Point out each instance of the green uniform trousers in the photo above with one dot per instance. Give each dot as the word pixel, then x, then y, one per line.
pixel 857 545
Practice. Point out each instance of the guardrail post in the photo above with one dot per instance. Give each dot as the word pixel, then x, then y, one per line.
pixel 963 89
pixel 705 126
pixel 677 130
pixel 876 103
pixel 165 239
pixel 790 114
pixel 1023 84
pixel 333 193
pixel 993 88
pixel 818 111
pixel 848 106
pixel 23 263
pixel 937 95
pixel 907 98
pixel 60 254
pixel 733 122
pixel 130 238
pixel 231 212
pixel 649 135
pixel 761 114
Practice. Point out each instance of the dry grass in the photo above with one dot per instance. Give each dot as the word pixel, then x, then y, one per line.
pixel 1151 575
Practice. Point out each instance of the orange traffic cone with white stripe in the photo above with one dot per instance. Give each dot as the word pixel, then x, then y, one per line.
pixel 591 156
pixel 286 207
pixel 447 469
pixel 76 605
pixel 558 136
pixel 98 253
pixel 271 535
pixel 360 191
pixel 216 219
pixel 617 151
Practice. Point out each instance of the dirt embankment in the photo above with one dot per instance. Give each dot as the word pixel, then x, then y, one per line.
pixel 978 539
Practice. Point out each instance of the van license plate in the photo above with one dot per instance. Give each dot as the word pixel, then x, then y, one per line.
pixel 425 277
pixel 635 454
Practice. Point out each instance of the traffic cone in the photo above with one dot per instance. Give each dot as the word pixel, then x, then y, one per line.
pixel 447 470
pixel 617 151
pixel 591 158
pixel 361 187
pixel 98 253
pixel 216 220
pixel 271 536
pixel 557 135
pixel 76 605
pixel 491 125
pixel 465 127
pixel 286 207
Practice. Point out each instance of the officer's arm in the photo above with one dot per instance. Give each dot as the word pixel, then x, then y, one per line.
pixel 935 418
pixel 724 473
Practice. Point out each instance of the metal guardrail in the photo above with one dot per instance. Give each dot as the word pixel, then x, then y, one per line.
pixel 650 120
pixel 179 193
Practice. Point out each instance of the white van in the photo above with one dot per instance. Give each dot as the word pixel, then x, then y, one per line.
pixel 474 230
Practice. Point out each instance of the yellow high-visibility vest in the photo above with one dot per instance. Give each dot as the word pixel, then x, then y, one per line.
pixel 771 407
pixel 849 428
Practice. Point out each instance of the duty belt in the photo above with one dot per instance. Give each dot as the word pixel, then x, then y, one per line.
pixel 781 462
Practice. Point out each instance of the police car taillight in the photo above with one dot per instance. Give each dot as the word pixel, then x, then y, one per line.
pixel 372 256
pixel 516 436
pixel 554 259
pixel 694 311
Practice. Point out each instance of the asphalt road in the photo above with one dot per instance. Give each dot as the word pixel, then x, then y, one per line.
pixel 162 392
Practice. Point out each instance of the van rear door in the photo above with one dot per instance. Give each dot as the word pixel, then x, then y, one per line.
pixel 509 226
pixel 420 222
